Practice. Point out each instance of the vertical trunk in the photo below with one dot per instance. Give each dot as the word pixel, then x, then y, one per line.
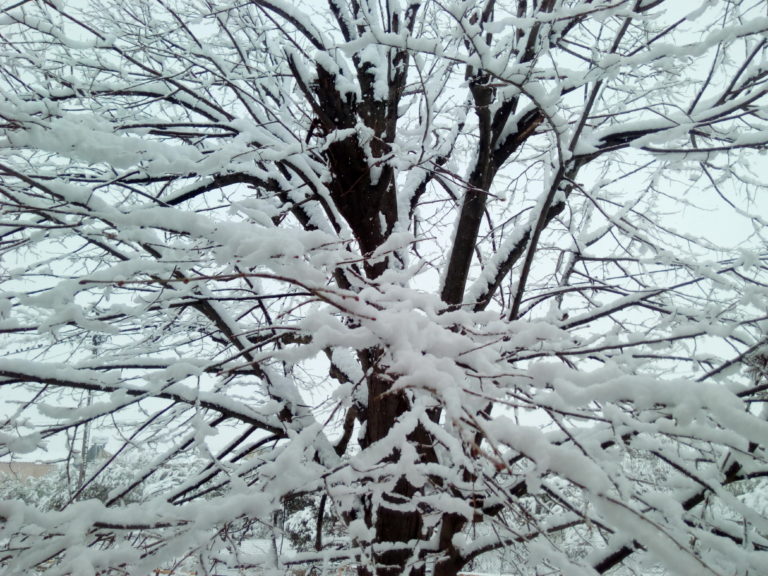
pixel 364 190
pixel 396 520
pixel 397 525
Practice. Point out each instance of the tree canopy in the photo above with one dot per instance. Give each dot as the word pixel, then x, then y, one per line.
pixel 470 277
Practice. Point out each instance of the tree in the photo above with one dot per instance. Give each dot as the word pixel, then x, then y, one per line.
pixel 59 487
pixel 438 266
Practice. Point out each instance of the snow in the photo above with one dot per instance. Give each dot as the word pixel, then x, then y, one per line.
pixel 182 273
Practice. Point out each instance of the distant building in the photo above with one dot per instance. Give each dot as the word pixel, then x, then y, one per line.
pixel 22 470
pixel 97 453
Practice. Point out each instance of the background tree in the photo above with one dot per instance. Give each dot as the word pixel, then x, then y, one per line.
pixel 444 265
pixel 59 487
